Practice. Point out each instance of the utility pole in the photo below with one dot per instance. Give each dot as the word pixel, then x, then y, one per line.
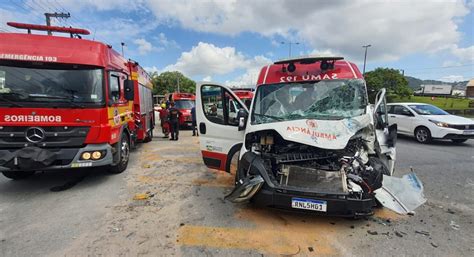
pixel 122 44
pixel 289 46
pixel 178 83
pixel 365 56
pixel 55 15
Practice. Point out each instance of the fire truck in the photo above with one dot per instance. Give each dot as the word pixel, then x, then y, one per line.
pixel 184 102
pixel 244 95
pixel 310 140
pixel 67 102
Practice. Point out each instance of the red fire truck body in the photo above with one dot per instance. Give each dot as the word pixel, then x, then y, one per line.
pixel 69 103
pixel 184 102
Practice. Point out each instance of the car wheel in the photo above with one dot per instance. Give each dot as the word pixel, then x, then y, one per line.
pixel 17 174
pixel 458 141
pixel 123 152
pixel 423 135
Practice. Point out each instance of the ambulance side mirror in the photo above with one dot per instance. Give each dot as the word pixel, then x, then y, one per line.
pixel 128 90
pixel 242 116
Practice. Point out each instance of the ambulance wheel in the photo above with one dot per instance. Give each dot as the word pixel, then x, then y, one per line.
pixel 17 174
pixel 123 153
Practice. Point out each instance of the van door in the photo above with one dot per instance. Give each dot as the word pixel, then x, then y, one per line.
pixel 216 114
pixel 386 135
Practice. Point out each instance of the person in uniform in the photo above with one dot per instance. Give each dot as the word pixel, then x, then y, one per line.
pixel 173 118
pixel 164 120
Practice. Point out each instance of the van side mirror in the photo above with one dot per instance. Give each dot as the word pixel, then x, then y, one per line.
pixel 129 93
pixel 242 116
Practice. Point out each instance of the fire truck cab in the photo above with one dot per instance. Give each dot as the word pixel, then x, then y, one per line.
pixel 245 96
pixel 309 141
pixel 184 102
pixel 68 103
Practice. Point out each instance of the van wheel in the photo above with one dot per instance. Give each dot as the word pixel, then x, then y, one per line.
pixel 458 141
pixel 423 135
pixel 17 174
pixel 123 153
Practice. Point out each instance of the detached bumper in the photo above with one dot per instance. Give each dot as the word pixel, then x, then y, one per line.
pixel 33 158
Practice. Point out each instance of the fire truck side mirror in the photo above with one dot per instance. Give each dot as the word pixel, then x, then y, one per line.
pixel 128 90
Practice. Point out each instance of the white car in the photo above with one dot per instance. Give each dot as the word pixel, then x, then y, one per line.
pixel 427 122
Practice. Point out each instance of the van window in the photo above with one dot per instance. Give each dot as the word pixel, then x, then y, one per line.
pixel 219 105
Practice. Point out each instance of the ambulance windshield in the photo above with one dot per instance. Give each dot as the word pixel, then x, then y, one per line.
pixel 52 84
pixel 324 100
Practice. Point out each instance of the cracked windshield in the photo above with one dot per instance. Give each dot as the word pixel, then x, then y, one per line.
pixel 327 100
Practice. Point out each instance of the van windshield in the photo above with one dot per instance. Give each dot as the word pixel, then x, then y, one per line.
pixel 325 100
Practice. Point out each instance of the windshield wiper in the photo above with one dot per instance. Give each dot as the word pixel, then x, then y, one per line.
pixel 70 100
pixel 10 101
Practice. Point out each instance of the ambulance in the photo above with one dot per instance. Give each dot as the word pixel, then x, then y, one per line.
pixel 310 140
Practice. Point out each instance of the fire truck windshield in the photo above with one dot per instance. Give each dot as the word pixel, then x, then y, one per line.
pixel 184 104
pixel 58 85
pixel 325 100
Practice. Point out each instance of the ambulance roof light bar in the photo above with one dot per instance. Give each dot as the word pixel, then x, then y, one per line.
pixel 30 27
pixel 326 62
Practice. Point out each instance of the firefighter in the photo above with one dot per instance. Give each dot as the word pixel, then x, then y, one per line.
pixel 165 126
pixel 173 118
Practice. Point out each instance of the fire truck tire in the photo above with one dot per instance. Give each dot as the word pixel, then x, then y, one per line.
pixel 17 175
pixel 149 136
pixel 123 155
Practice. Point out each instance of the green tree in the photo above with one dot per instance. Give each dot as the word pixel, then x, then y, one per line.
pixel 167 82
pixel 391 79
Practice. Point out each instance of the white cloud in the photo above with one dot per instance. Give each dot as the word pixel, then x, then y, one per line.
pixel 464 54
pixel 207 79
pixel 452 78
pixel 165 42
pixel 206 59
pixel 152 69
pixel 393 28
pixel 144 46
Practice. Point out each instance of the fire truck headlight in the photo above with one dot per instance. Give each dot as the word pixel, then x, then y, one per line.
pixel 96 155
pixel 86 156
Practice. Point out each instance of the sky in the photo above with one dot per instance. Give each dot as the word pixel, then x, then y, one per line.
pixel 229 41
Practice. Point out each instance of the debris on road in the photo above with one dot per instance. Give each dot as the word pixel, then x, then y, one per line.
pixel 402 195
pixel 144 196
pixel 398 234
pixel 425 233
pixel 454 225
pixel 434 245
pixel 372 232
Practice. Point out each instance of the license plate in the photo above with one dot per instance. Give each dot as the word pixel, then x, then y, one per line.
pixel 468 132
pixel 309 204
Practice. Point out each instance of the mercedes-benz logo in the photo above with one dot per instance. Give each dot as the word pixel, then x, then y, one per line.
pixel 35 134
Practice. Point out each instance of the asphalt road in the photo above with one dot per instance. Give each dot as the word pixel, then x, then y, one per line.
pixel 91 213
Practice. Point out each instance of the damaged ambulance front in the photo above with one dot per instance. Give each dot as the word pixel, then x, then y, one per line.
pixel 310 140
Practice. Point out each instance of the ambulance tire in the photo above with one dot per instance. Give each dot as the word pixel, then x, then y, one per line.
pixel 123 152
pixel 17 175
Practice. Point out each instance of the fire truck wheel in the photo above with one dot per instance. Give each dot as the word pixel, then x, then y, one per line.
pixel 16 174
pixel 123 155
pixel 149 136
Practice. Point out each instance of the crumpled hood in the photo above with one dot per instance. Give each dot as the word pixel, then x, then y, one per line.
pixel 327 134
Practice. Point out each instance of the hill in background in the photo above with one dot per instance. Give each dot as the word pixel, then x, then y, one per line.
pixel 415 83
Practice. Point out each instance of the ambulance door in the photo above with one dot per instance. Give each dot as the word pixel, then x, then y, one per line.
pixel 217 110
pixel 386 134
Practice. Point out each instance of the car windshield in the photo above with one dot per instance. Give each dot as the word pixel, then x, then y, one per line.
pixel 184 104
pixel 325 100
pixel 51 84
pixel 426 109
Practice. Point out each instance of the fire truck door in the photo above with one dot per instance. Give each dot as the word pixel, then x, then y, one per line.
pixel 216 114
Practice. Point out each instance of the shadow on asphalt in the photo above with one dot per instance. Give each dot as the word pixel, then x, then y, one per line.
pixel 408 139
pixel 56 181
